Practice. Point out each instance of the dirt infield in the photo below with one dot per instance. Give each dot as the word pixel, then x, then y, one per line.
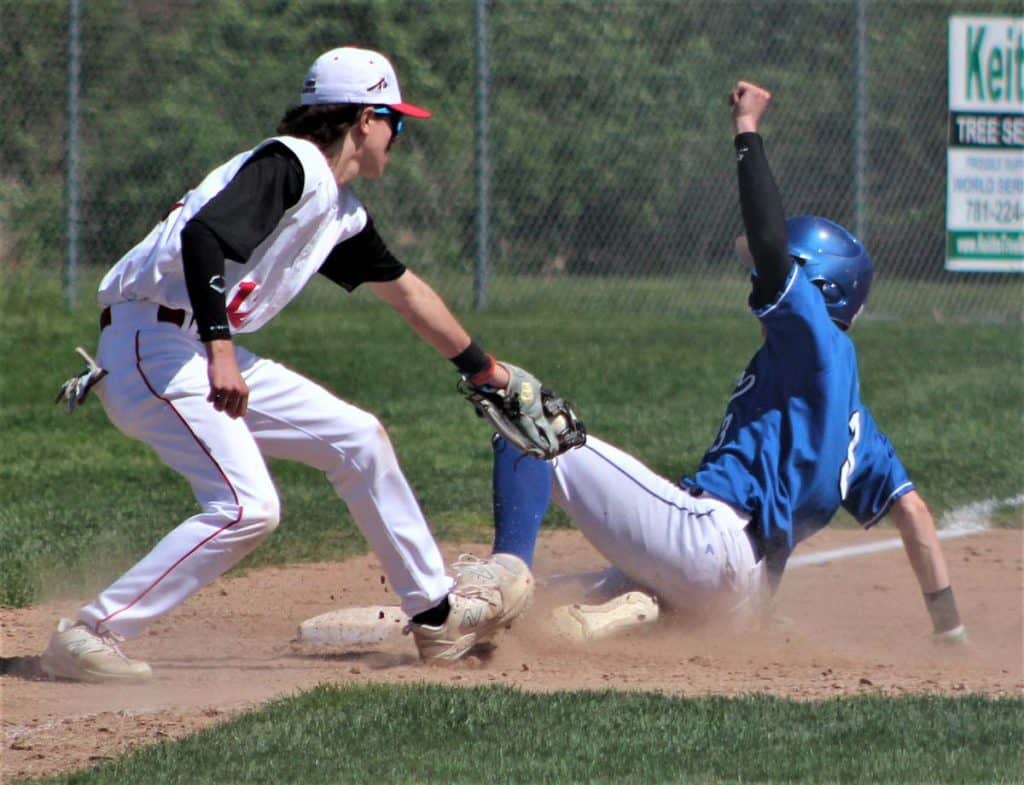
pixel 848 627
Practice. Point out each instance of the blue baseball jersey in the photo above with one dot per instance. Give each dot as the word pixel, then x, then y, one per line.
pixel 796 441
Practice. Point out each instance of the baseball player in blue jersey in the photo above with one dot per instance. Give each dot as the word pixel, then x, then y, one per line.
pixel 228 256
pixel 796 443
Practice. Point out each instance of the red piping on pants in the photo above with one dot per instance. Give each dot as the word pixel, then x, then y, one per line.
pixel 203 447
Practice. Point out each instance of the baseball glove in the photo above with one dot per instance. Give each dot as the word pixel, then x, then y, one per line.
pixel 76 389
pixel 527 414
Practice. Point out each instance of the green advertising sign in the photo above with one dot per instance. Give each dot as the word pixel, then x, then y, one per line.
pixel 985 153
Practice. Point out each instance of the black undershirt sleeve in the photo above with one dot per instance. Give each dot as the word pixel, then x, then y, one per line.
pixel 230 227
pixel 203 262
pixel 763 219
pixel 361 258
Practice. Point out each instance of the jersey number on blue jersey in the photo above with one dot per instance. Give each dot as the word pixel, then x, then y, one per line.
pixel 851 459
pixel 743 386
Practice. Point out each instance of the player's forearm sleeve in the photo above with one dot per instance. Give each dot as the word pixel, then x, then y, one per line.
pixel 763 216
pixel 231 226
pixel 203 263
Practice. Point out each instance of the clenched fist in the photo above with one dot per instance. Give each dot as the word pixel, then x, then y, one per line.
pixel 749 103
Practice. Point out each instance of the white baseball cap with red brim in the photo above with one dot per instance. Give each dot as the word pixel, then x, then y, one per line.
pixel 348 75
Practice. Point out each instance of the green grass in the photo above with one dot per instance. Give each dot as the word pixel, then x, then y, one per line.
pixel 82 502
pixel 432 734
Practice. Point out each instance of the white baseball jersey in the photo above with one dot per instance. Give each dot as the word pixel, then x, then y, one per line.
pixel 278 268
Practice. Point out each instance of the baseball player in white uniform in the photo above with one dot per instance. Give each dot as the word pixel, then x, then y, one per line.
pixel 226 259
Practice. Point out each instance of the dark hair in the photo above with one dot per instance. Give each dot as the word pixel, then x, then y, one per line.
pixel 322 124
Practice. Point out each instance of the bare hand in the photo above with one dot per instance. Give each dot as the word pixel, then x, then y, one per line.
pixel 749 103
pixel 228 391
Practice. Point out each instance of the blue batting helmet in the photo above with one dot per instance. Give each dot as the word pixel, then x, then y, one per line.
pixel 834 261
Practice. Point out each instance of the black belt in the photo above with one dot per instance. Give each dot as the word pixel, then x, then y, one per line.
pixel 753 532
pixel 175 316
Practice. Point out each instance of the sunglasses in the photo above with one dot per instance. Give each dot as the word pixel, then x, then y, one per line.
pixel 395 119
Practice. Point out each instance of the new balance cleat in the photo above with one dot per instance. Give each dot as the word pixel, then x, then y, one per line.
pixel 77 653
pixel 488 594
pixel 473 619
pixel 504 572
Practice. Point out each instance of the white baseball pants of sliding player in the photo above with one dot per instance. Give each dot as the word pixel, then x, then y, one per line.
pixel 157 391
pixel 690 551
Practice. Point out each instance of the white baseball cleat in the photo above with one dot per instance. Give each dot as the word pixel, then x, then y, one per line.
pixel 488 594
pixel 75 652
pixel 505 572
pixel 625 613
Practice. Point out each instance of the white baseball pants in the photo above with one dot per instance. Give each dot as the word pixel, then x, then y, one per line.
pixel 690 551
pixel 156 391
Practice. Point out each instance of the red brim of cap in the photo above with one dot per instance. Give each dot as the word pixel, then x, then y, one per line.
pixel 411 110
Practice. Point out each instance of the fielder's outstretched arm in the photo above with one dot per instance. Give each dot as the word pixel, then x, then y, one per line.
pixel 517 405
pixel 426 313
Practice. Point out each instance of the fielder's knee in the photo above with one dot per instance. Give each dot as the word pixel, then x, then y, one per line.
pixel 259 517
pixel 368 445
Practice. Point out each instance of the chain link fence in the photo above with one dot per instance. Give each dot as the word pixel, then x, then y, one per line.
pixel 609 170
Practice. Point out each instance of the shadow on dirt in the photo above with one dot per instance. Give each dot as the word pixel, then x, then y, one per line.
pixel 22 668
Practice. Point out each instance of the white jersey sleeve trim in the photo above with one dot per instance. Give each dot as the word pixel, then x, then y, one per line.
pixel 903 489
pixel 764 310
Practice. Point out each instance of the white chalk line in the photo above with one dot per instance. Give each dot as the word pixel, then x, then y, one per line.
pixel 823 557
pixel 961 522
